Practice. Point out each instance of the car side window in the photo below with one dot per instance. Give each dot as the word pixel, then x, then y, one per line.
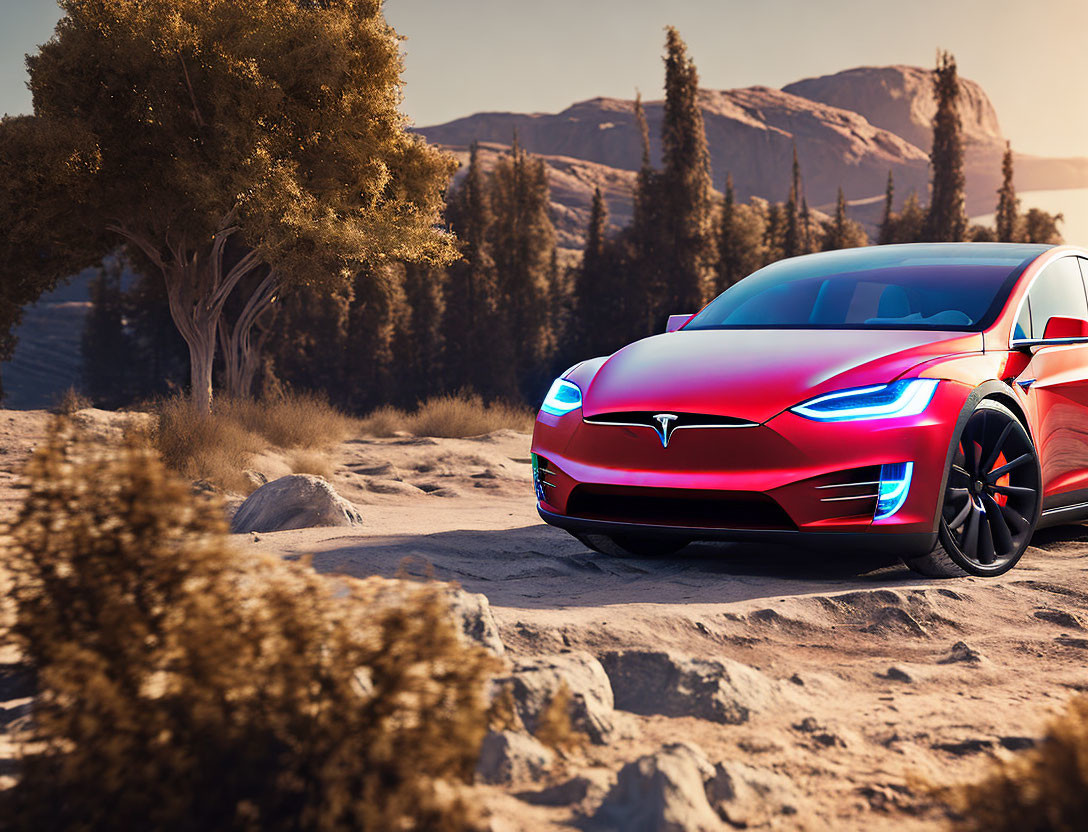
pixel 1059 290
pixel 1023 323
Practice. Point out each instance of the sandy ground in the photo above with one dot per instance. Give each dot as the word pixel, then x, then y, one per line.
pixel 853 739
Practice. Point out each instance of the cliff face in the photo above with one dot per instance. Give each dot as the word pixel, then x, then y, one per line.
pixel 900 99
pixel 850 129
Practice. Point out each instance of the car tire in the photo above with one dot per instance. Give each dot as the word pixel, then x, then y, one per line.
pixel 986 521
pixel 619 546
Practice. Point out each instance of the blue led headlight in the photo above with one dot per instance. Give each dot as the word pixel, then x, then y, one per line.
pixel 908 397
pixel 894 487
pixel 563 397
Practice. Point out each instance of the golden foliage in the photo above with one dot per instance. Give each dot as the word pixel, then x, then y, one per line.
pixel 453 415
pixel 1044 789
pixel 554 727
pixel 219 446
pixel 186 686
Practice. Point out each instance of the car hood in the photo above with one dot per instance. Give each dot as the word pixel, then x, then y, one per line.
pixel 756 374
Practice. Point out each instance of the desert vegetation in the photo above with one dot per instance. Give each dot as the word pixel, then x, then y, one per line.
pixel 452 415
pixel 183 685
pixel 1044 789
pixel 218 447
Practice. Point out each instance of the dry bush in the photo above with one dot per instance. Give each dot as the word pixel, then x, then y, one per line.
pixel 554 727
pixel 465 414
pixel 383 422
pixel 218 447
pixel 289 421
pixel 309 461
pixel 201 446
pixel 185 686
pixel 71 401
pixel 1044 789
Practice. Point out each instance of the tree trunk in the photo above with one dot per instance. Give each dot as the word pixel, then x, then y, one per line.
pixel 197 288
pixel 241 350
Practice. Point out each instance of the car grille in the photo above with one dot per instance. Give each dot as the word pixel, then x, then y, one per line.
pixel 543 477
pixel 645 418
pixel 678 507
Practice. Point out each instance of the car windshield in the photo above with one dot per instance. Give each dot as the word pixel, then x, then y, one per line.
pixel 939 286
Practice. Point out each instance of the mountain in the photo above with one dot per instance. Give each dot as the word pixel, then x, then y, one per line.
pixel 850 129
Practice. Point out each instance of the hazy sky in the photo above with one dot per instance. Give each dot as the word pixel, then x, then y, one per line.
pixel 462 57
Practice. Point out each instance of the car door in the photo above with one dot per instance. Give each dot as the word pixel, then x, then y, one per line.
pixel 1058 379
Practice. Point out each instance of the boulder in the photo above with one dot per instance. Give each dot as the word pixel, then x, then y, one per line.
pixel 473 612
pixel 297 501
pixel 747 796
pixel 583 789
pixel 659 682
pixel 534 683
pixel 662 792
pixel 512 757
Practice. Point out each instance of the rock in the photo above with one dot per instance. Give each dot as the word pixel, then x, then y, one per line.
pixel 588 787
pixel 379 486
pixel 961 748
pixel 535 682
pixel 473 611
pixel 649 682
pixel 894 621
pixel 962 652
pixel 297 501
pixel 512 757
pixel 662 792
pixel 1062 618
pixel 747 796
pixel 897 674
pixel 1017 743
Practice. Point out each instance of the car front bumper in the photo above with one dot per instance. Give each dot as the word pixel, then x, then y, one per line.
pixel 790 479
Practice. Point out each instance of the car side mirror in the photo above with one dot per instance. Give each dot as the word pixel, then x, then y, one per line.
pixel 677 321
pixel 1060 326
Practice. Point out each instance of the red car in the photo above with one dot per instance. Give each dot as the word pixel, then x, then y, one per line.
pixel 929 400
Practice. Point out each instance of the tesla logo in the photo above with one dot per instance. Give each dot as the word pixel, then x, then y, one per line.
pixel 665 426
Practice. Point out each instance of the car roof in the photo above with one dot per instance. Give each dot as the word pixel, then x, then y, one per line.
pixel 935 254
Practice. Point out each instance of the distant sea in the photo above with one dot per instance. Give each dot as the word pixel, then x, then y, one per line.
pixel 1071 202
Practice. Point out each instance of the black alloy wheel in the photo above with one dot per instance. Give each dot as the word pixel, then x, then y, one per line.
pixel 992 498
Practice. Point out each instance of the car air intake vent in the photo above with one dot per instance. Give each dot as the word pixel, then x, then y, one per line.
pixel 543 477
pixel 678 507
pixel 853 491
pixel 649 418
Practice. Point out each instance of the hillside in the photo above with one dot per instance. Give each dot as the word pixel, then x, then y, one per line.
pixel 850 129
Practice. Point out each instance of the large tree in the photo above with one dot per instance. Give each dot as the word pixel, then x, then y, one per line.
pixel 886 234
pixel 223 140
pixel 685 186
pixel 522 245
pixel 793 242
pixel 947 218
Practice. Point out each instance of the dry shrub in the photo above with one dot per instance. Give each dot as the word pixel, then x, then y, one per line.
pixel 309 461
pixel 1044 789
pixel 554 727
pixel 466 414
pixel 71 401
pixel 383 422
pixel 218 447
pixel 186 686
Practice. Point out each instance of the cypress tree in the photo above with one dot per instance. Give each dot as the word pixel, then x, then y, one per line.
pixel 646 281
pixel 1008 204
pixel 522 242
pixel 686 220
pixel 377 301
pixel 774 233
pixel 806 226
pixel 835 237
pixel 589 282
pixel 419 345
pixel 792 245
pixel 887 222
pixel 910 222
pixel 947 219
pixel 470 285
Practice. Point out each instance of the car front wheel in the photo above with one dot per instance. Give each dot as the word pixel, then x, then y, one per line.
pixel 991 501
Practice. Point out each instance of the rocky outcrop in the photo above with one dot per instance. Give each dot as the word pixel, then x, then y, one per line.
pixel 512 757
pixel 473 612
pixel 679 790
pixel 900 99
pixel 297 501
pixel 658 682
pixel 534 683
